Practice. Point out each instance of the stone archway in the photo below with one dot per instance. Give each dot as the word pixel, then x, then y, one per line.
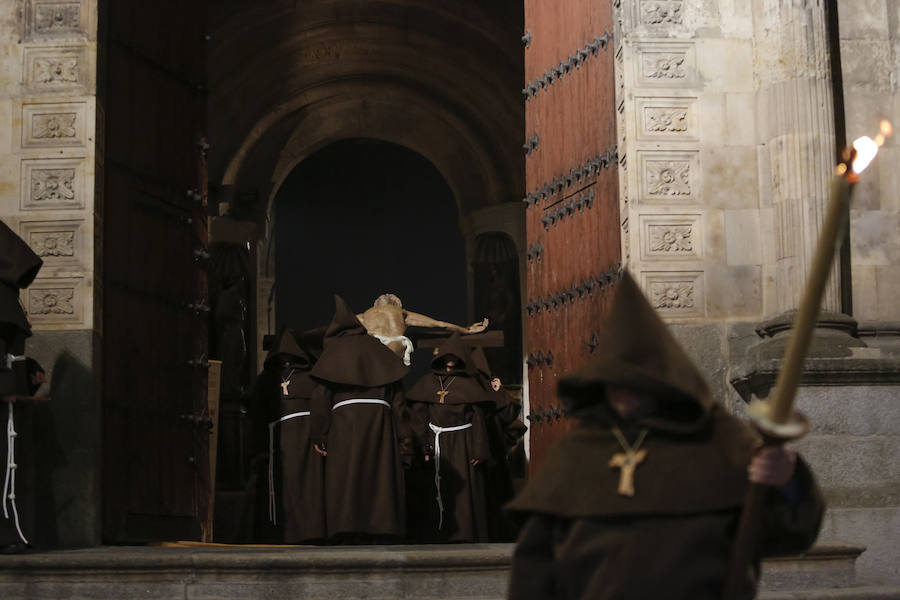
pixel 288 80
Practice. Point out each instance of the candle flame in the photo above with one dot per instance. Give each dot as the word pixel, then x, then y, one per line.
pixel 866 148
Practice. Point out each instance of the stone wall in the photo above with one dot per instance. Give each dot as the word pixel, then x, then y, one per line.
pixel 727 139
pixel 870 57
pixel 49 168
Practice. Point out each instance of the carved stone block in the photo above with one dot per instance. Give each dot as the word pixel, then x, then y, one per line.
pixel 675 294
pixel 666 65
pixel 54 125
pixel 55 301
pixel 666 118
pixel 59 68
pixel 671 237
pixel 53 184
pixel 53 19
pixel 661 13
pixel 58 243
pixel 669 177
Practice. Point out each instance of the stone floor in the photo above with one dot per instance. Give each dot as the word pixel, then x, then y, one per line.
pixel 372 572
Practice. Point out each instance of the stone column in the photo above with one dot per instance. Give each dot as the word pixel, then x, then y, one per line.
pixel 795 100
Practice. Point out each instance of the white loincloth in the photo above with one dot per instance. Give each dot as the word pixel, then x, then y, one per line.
pixel 407 344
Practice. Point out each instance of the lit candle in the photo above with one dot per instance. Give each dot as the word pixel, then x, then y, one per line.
pixel 864 150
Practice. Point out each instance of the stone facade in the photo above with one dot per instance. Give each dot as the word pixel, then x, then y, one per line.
pixel 726 145
pixel 49 190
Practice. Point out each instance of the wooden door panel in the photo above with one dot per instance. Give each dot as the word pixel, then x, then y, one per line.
pixel 155 341
pixel 572 196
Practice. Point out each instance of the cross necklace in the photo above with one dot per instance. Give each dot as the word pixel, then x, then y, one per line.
pixel 285 382
pixel 442 393
pixel 628 461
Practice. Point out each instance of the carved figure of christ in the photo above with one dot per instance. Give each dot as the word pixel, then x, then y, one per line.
pixel 388 320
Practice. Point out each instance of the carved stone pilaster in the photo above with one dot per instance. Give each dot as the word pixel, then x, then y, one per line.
pixel 795 76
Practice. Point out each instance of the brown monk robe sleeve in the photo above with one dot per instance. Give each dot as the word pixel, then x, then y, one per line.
pixel 320 403
pixel 532 574
pixel 793 514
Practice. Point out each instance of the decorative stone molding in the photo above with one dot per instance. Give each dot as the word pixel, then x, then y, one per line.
pixel 661 12
pixel 669 177
pixel 54 125
pixel 53 19
pixel 58 243
pixel 55 301
pixel 665 65
pixel 666 118
pixel 56 69
pixel 54 183
pixel 671 237
pixel 676 293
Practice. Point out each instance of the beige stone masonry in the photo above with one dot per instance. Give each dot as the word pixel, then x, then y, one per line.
pixel 48 176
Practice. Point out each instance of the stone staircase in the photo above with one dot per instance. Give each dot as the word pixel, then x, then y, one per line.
pixel 373 572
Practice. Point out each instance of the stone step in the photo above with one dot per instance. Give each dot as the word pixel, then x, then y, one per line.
pixel 853 593
pixel 471 572
pixel 824 566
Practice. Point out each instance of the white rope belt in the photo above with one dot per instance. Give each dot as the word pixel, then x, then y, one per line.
pixel 272 511
pixel 360 401
pixel 9 481
pixel 407 344
pixel 437 463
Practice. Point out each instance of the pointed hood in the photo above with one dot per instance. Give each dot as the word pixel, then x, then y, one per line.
pixel 311 341
pixel 352 357
pixel 480 363
pixel 19 265
pixel 287 349
pixel 637 350
pixel 453 346
pixel 344 321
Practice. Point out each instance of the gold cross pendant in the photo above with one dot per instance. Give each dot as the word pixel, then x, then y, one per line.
pixel 628 463
pixel 284 387
pixel 442 394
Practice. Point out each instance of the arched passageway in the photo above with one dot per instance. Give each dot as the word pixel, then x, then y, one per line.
pixel 360 218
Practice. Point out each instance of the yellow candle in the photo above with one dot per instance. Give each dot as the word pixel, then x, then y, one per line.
pixel 782 402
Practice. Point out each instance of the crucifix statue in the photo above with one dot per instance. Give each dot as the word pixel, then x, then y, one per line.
pixel 387 321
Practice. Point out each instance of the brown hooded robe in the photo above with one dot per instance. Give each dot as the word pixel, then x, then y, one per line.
pixel 450 503
pixel 364 488
pixel 673 539
pixel 297 472
pixel 19 266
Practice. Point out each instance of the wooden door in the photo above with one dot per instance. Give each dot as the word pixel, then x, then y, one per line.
pixel 572 215
pixel 156 426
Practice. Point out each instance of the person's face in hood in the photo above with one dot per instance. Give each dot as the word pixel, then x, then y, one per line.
pixel 450 363
pixel 629 403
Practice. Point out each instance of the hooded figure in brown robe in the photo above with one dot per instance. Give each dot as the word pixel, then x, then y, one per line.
pixel 447 418
pixel 19 266
pixel 296 477
pixel 599 527
pixel 354 427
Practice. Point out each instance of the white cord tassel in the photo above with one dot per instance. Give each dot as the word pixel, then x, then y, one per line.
pixel 9 482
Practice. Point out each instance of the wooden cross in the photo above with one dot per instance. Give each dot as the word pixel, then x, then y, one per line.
pixel 284 387
pixel 628 463
pixel 442 395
